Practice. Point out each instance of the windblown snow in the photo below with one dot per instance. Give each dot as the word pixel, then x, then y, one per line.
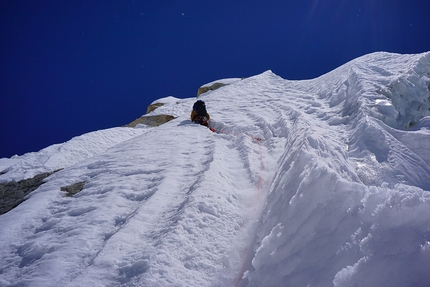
pixel 322 182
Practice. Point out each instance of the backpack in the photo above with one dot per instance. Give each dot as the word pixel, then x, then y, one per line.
pixel 200 108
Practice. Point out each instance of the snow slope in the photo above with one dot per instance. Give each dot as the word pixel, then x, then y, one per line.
pixel 322 182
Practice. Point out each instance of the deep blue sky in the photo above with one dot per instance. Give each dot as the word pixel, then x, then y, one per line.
pixel 70 67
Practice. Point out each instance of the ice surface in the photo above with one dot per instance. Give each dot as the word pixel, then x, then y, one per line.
pixel 322 182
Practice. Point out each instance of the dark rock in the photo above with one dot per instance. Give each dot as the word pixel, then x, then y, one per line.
pixel 212 87
pixel 153 107
pixel 73 189
pixel 13 193
pixel 151 121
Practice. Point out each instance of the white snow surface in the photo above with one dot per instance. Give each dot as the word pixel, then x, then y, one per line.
pixel 322 182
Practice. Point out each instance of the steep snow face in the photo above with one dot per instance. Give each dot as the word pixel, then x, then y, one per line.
pixel 322 182
pixel 349 205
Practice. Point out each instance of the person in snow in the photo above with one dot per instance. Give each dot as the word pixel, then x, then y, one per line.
pixel 199 114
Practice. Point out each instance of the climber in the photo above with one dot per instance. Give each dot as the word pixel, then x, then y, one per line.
pixel 199 114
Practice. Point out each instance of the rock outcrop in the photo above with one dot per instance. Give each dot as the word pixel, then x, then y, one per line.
pixel 151 121
pixel 212 87
pixel 73 189
pixel 152 107
pixel 13 193
pixel 216 85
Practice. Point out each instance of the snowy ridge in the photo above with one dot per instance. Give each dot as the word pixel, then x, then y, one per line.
pixel 336 192
pixel 63 155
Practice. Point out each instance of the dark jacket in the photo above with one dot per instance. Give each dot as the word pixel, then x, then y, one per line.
pixel 203 120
